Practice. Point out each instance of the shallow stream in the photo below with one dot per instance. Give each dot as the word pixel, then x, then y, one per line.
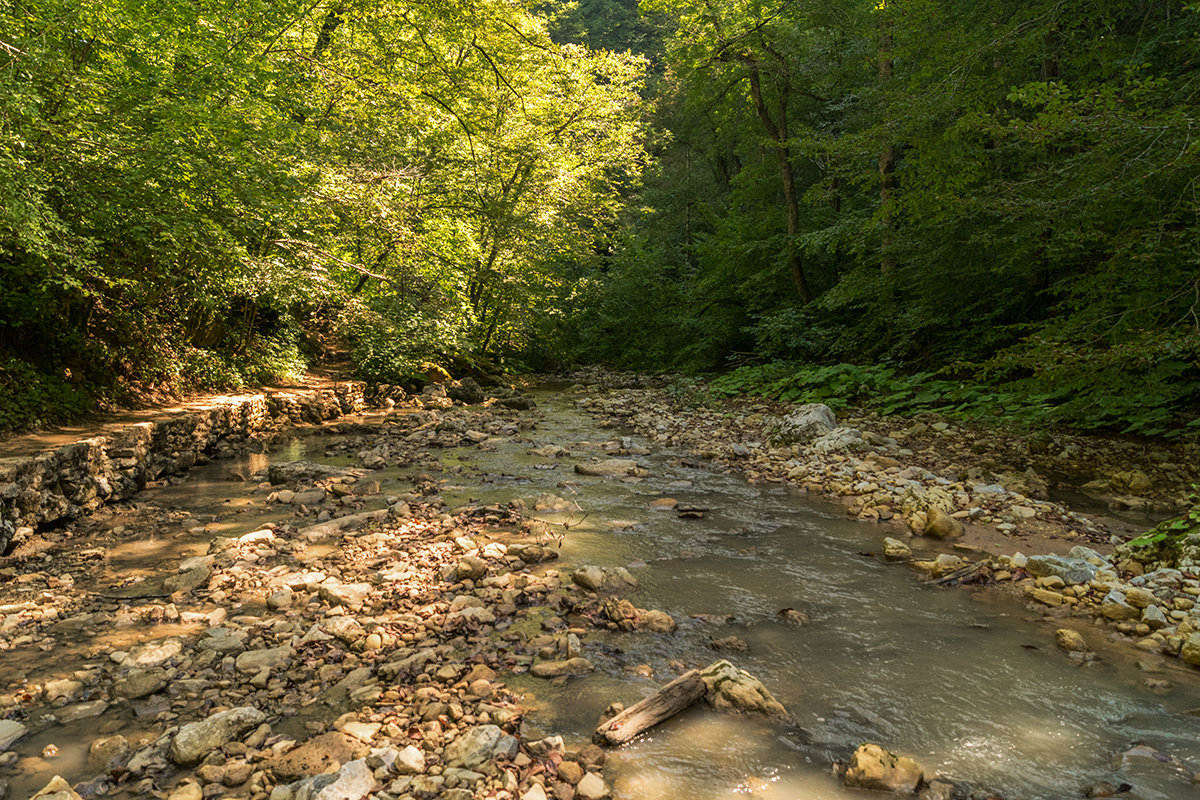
pixel 968 682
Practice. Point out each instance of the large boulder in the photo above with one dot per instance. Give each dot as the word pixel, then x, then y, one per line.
pixel 872 767
pixel 1073 571
pixel 805 424
pixel 728 688
pixel 466 391
pixel 941 525
pixel 611 580
pixel 197 739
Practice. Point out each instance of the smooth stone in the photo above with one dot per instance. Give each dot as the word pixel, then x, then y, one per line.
pixel 197 739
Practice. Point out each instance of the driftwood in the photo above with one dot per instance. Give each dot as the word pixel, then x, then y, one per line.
pixel 664 704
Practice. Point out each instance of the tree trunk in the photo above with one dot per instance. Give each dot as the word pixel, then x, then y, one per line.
pixel 779 135
pixel 887 177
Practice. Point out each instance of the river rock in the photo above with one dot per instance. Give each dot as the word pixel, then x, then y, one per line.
pixel 10 732
pixel 1138 597
pixel 318 755
pixel 1154 617
pixel 728 688
pixel 140 683
pixel 1073 571
pixel 1190 650
pixel 840 440
pixel 896 550
pixel 153 654
pixel 655 621
pixel 197 739
pixel 941 525
pixel 107 753
pixel 609 468
pixel 1070 641
pixel 872 767
pixel 465 391
pixel 480 745
pixel 350 594
pixel 1114 607
pixel 592 787
pixel 57 789
pixel 409 761
pixel 806 423
pixel 606 580
pixel 558 669
pixel 354 781
pixel 297 471
pixel 470 568
pixel 253 661
pixel 222 640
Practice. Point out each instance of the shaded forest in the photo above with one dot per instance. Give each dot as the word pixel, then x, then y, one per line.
pixel 986 210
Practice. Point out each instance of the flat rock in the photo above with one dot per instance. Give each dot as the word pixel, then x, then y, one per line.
pixel 609 468
pixel 354 781
pixel 1073 571
pixel 253 661
pixel 197 739
pixel 10 732
pixel 558 669
pixel 316 756
pixel 479 745
pixel 297 471
pixel 350 594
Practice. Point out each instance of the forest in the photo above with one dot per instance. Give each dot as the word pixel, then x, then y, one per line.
pixel 988 210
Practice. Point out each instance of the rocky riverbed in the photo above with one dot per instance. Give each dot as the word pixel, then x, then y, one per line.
pixel 329 626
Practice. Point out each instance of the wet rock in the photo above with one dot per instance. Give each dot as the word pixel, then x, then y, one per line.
pixel 806 423
pixel 1073 571
pixel 186 581
pixel 187 791
pixel 592 787
pixel 1070 641
pixel 604 581
pixel 793 617
pixel 731 689
pixel 480 745
pixel 1190 650
pixel 354 781
pixel 558 669
pixel 222 640
pixel 318 755
pixel 940 525
pixel 57 789
pixel 298 471
pixel 872 767
pixel 609 468
pixel 656 621
pixel 10 732
pixel 197 739
pixel 896 550
pixel 281 599
pixel 107 754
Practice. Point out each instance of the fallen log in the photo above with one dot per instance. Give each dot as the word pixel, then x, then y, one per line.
pixel 664 704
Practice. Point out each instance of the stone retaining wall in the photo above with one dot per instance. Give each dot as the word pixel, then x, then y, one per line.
pixel 74 479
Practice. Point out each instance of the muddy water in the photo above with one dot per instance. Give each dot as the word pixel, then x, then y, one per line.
pixel 965 681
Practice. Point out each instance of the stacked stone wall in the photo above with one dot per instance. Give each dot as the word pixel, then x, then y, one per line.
pixel 74 479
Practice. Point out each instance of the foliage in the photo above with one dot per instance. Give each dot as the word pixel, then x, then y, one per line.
pixel 33 398
pixel 1024 402
pixel 185 183
pixel 1005 186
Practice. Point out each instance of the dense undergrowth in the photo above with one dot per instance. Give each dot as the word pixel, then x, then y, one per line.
pixel 1162 406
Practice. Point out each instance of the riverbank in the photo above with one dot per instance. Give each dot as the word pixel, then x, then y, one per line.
pixel 352 598
pixel 959 504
